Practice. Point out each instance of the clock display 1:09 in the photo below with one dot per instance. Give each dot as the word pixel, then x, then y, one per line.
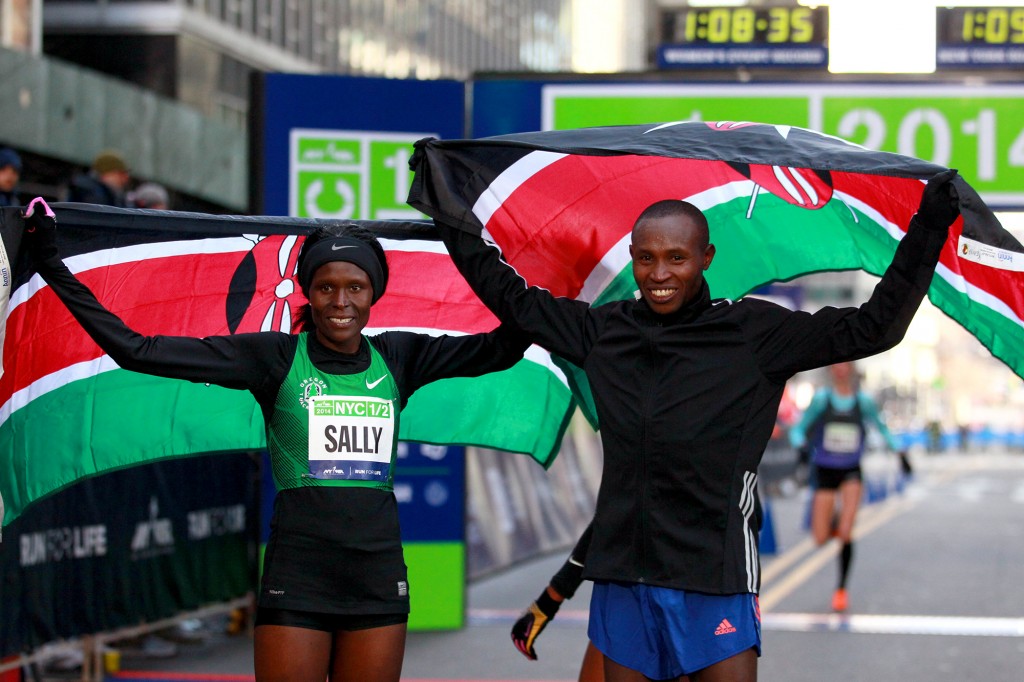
pixel 747 25
pixel 993 25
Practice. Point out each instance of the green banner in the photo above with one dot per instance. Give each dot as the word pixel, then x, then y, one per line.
pixel 978 130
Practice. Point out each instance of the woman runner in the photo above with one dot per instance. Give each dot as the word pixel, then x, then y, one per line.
pixel 334 599
pixel 832 431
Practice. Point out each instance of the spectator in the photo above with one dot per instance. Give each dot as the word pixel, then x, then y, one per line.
pixel 104 184
pixel 10 173
pixel 150 195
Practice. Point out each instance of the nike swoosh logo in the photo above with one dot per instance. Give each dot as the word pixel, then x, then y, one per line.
pixel 335 247
pixel 373 384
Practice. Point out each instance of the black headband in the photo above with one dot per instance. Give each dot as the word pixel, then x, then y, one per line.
pixel 345 249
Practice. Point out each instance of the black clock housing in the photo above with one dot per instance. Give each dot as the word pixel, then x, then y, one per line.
pixel 775 36
pixel 967 37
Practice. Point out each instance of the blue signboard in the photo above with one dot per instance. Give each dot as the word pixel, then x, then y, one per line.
pixel 676 56
pixel 345 135
pixel 431 490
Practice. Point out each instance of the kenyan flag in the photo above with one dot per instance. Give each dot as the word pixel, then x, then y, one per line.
pixel 781 201
pixel 67 411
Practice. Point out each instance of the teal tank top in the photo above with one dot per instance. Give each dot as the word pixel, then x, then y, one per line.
pixel 334 429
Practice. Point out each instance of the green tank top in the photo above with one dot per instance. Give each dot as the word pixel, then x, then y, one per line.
pixel 334 429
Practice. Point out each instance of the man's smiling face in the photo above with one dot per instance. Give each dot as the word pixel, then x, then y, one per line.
pixel 670 255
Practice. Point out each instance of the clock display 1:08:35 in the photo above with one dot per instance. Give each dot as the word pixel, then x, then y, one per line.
pixel 746 25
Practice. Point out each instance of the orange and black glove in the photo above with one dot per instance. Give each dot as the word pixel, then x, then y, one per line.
pixel 532 623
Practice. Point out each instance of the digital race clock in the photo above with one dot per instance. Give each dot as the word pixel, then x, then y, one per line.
pixel 748 36
pixel 979 36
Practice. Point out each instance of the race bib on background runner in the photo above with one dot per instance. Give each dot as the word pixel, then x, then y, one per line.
pixel 841 437
pixel 350 438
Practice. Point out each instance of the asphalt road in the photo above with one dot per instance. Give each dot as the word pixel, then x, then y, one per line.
pixel 935 594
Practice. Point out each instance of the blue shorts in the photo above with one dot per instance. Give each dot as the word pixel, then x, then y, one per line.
pixel 664 633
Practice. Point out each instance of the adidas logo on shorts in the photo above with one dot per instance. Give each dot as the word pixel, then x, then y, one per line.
pixel 725 627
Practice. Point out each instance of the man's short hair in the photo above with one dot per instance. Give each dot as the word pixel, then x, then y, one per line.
pixel 676 207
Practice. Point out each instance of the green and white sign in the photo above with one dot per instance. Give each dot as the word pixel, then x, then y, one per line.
pixel 977 130
pixel 351 175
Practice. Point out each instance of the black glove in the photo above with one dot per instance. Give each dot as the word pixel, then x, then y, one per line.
pixel 803 454
pixel 40 230
pixel 940 203
pixel 532 623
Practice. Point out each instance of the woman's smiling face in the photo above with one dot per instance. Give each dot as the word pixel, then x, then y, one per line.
pixel 339 299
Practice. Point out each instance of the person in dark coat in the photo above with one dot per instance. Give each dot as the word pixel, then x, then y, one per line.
pixel 105 183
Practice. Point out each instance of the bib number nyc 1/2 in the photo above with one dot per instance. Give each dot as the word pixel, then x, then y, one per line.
pixel 350 438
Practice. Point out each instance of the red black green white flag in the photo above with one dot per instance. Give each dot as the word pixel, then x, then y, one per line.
pixel 781 202
pixel 68 412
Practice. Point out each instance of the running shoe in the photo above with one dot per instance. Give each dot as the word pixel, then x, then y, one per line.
pixel 839 600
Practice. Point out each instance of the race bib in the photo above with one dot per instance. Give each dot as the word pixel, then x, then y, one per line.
pixel 350 438
pixel 841 437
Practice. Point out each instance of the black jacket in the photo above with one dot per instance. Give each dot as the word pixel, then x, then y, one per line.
pixel 10 199
pixel 687 403
pixel 89 189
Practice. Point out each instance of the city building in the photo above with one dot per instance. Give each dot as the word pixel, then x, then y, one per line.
pixel 202 52
pixel 148 72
